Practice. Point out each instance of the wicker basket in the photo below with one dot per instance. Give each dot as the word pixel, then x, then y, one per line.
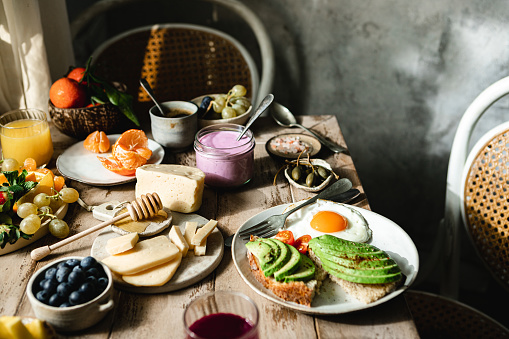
pixel 80 122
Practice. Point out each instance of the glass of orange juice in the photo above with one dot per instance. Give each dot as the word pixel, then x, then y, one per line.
pixel 24 133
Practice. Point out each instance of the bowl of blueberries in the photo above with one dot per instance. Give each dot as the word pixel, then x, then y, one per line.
pixel 72 293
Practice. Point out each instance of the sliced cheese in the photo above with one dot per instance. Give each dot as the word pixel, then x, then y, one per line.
pixel 201 249
pixel 121 244
pixel 178 239
pixel 156 276
pixel 203 232
pixel 189 232
pixel 144 255
pixel 179 187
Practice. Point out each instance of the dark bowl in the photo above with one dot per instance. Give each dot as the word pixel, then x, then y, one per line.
pixel 80 122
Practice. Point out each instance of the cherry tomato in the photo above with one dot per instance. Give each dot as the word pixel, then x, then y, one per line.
pixel 301 244
pixel 286 237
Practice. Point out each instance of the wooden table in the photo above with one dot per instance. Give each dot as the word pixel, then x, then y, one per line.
pixel 160 315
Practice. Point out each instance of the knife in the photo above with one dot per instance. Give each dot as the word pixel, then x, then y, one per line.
pixel 342 197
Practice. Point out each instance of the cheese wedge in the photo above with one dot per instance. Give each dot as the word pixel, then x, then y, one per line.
pixel 189 232
pixel 121 244
pixel 202 249
pixel 145 254
pixel 203 232
pixel 179 187
pixel 178 239
pixel 156 276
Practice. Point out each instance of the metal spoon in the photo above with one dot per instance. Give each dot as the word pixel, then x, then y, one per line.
pixel 150 93
pixel 259 110
pixel 285 118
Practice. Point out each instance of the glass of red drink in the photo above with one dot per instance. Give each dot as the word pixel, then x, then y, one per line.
pixel 221 314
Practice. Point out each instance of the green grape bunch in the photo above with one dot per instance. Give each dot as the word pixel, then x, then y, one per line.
pixel 225 106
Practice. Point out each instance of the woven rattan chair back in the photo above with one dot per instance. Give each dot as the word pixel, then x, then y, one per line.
pixel 486 201
pixel 179 61
pixel 438 317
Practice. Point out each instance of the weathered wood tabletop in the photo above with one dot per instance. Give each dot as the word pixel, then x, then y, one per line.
pixel 160 315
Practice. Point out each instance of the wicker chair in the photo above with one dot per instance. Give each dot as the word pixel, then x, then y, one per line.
pixel 438 317
pixel 477 196
pixel 181 61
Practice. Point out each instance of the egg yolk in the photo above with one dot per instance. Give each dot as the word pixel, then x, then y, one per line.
pixel 328 222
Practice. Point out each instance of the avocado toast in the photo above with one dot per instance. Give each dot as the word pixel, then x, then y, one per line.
pixel 281 268
pixel 362 270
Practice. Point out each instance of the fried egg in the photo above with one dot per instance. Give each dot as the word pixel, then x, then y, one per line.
pixel 328 217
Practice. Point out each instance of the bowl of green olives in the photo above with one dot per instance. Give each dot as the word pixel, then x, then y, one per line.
pixel 311 175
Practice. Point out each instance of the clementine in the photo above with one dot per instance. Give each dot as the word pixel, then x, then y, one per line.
pixel 68 93
pixel 131 149
pixel 77 74
pixel 114 166
pixel 97 142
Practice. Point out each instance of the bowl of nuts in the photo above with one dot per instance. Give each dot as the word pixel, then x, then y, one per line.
pixel 72 293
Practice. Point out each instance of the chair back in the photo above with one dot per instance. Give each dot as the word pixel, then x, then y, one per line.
pixel 467 179
pixel 240 12
pixel 180 62
pixel 485 207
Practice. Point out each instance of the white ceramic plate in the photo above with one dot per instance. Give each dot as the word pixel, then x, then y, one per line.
pixel 332 298
pixel 192 268
pixel 78 164
pixel 60 213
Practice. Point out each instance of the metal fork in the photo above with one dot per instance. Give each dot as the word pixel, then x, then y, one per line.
pixel 273 224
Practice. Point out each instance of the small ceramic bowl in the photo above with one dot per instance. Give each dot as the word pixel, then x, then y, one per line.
pixel 239 120
pixel 72 318
pixel 318 162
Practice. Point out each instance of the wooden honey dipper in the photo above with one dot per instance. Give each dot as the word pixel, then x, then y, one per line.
pixel 144 207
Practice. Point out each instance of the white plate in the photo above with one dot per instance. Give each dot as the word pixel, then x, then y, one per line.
pixel 192 268
pixel 78 164
pixel 60 213
pixel 332 299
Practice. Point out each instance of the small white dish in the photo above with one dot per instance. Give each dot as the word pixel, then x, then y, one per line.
pixel 317 162
pixel 239 120
pixel 72 318
pixel 313 144
pixel 79 164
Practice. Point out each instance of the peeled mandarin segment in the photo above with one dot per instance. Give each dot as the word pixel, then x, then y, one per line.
pixel 58 182
pixel 97 142
pixel 131 149
pixel 144 152
pixel 30 164
pixel 112 165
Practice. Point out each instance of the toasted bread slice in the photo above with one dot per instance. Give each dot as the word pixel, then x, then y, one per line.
pixel 367 293
pixel 297 291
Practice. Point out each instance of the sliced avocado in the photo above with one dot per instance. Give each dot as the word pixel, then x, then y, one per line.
pixel 275 248
pixel 261 251
pixel 305 271
pixel 360 263
pixel 290 266
pixel 280 261
pixel 374 279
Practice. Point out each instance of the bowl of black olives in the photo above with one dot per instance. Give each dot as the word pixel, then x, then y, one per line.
pixel 311 175
pixel 72 293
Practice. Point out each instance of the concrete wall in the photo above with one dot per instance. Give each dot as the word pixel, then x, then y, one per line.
pixel 398 75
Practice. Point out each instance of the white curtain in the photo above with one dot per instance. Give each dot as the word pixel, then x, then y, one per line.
pixel 35 50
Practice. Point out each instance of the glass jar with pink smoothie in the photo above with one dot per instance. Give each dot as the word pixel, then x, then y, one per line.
pixel 226 162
